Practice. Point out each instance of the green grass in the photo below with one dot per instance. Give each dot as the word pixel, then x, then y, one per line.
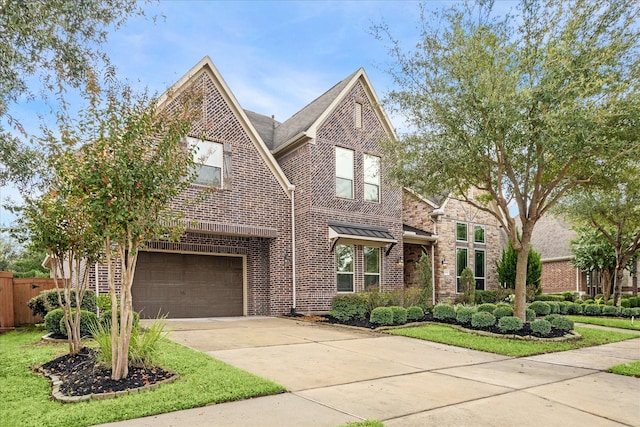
pixel 509 347
pixel 612 322
pixel 365 423
pixel 631 369
pixel 25 395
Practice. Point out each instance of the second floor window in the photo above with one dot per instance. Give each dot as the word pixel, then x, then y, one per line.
pixel 371 178
pixel 478 233
pixel 208 157
pixel 461 232
pixel 344 173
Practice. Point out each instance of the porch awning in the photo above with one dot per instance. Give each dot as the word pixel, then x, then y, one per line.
pixel 369 235
pixel 416 236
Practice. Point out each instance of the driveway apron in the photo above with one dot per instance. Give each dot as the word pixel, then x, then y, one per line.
pixel 337 375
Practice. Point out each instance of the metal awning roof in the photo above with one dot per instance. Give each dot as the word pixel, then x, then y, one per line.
pixel 417 236
pixel 360 234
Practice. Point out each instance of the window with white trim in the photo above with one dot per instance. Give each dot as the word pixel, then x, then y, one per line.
pixel 479 268
pixel 462 261
pixel 371 178
pixel 371 268
pixel 478 233
pixel 344 173
pixel 344 268
pixel 208 157
pixel 461 232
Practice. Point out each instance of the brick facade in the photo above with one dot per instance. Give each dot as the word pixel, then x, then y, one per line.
pixel 561 276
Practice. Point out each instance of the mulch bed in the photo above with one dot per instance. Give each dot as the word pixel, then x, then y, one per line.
pixel 81 375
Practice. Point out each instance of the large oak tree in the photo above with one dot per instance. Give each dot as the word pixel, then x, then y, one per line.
pixel 525 106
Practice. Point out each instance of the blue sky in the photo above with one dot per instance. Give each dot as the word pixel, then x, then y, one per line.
pixel 276 56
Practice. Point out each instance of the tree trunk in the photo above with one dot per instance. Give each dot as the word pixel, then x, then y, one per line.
pixel 520 305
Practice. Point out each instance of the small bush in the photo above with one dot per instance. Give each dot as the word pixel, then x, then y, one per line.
pixel 564 307
pixel 52 321
pixel 503 311
pixel 589 301
pixel 88 321
pixel 549 297
pixel 562 323
pixel 540 307
pixel 483 297
pixel 575 308
pixel 592 310
pixel 554 307
pixel 47 300
pixel 374 299
pixel 468 285
pixel 399 315
pixel 570 296
pixel 444 312
pixel 349 307
pixel 509 324
pixel 529 315
pixel 610 310
pixel 634 302
pixel 625 303
pixel 143 348
pixel 487 308
pixel 381 316
pixel 541 327
pixel 105 318
pixel 482 319
pixel 415 313
pixel 463 314
pixel 630 312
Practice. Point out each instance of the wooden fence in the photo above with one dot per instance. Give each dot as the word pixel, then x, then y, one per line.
pixel 14 295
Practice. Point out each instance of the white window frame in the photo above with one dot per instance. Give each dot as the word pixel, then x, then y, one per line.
pixel 369 274
pixel 466 233
pixel 207 154
pixel 345 273
pixel 458 269
pixel 344 171
pixel 371 172
pixel 484 269
pixel 484 234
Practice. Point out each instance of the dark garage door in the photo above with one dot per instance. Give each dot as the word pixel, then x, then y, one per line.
pixel 184 285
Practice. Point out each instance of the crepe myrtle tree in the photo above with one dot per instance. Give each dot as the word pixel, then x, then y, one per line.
pixel 133 164
pixel 523 107
pixel 59 223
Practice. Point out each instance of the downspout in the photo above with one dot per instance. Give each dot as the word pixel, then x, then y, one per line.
pixel 433 273
pixel 292 188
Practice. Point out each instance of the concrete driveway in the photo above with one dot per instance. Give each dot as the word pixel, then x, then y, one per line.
pixel 336 375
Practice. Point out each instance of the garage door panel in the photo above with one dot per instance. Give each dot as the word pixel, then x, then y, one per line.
pixel 183 285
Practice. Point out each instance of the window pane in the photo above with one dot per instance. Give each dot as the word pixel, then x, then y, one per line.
pixel 344 163
pixel 344 258
pixel 371 282
pixel 371 193
pixel 209 175
pixel 207 152
pixel 344 188
pixel 371 260
pixel 480 284
pixel 479 263
pixel 461 232
pixel 371 169
pixel 345 282
pixel 478 234
pixel 461 261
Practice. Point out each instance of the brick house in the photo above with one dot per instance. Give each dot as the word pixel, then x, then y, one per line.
pixel 454 235
pixel 302 212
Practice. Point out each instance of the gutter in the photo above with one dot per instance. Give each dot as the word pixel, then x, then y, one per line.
pixel 292 189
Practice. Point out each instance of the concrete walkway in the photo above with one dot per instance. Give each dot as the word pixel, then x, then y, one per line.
pixel 336 375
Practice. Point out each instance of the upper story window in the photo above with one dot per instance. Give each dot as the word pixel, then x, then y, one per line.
pixel 208 157
pixel 358 115
pixel 461 232
pixel 344 173
pixel 478 233
pixel 371 178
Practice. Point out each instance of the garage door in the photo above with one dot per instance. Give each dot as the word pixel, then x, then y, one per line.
pixel 182 285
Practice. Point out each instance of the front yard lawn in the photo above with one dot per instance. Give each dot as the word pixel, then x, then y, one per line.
pixel 631 369
pixel 612 322
pixel 509 347
pixel 25 395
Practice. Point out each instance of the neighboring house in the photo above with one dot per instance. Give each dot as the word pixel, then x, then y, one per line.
pixel 455 235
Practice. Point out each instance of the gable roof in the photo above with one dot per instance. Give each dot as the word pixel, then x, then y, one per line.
pixel 552 238
pixel 206 66
pixel 304 124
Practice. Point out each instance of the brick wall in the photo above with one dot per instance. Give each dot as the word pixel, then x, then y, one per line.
pixel 560 276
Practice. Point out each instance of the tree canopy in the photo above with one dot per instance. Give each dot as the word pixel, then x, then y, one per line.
pixel 524 106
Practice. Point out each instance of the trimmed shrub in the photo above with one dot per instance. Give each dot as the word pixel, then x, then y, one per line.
pixel 610 310
pixel 575 308
pixel 503 311
pixel 399 315
pixel 589 301
pixel 47 300
pixel 88 322
pixel 482 319
pixel 52 321
pixel 529 315
pixel 349 307
pixel 570 296
pixel 444 312
pixel 592 310
pixel 554 307
pixel 468 285
pixel 415 313
pixel 509 324
pixel 634 302
pixel 630 312
pixel 564 307
pixel 625 303
pixel 541 327
pixel 487 308
pixel 485 297
pixel 105 319
pixel 562 323
pixel 381 316
pixel 549 297
pixel 463 314
pixel 540 307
